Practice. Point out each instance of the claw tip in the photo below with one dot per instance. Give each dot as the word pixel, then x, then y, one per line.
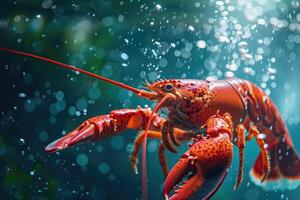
pixel 52 147
pixel 166 196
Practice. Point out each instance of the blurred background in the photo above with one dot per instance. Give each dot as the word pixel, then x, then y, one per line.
pixel 130 41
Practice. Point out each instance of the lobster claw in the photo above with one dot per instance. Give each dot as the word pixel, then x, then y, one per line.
pixel 201 170
pixel 104 126
pixel 85 132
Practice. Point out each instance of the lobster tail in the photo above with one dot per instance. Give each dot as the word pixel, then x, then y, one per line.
pixel 285 167
pixel 284 161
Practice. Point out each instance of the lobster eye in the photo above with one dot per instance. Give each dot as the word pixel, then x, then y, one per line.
pixel 168 87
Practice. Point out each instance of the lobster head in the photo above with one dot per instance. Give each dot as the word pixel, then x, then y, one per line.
pixel 188 94
pixel 201 170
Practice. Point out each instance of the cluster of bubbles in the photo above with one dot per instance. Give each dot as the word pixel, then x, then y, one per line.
pixel 231 49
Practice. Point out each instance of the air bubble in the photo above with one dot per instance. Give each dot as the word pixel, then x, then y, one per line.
pixel 124 56
pixel 43 136
pixel 201 44
pixel 29 106
pixel 82 159
pixel 117 143
pixel 103 168
pixel 81 104
pixel 59 95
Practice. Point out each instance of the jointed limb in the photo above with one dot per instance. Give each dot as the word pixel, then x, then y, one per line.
pixel 137 145
pixel 162 158
pixel 179 134
pixel 253 132
pixel 240 130
pixel 168 136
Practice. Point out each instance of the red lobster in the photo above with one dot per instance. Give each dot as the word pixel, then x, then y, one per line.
pixel 215 115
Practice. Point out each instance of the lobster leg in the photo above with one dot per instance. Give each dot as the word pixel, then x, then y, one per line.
pixel 162 158
pixel 180 135
pixel 241 145
pixel 137 145
pixel 253 132
pixel 105 126
pixel 168 136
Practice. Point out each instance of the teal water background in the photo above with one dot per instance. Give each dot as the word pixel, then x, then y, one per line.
pixel 130 41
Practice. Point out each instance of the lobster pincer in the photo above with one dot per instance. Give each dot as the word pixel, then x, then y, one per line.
pixel 105 126
pixel 201 169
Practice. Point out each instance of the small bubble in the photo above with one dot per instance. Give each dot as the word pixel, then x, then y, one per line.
pixel 31 157
pixel 261 136
pixel 43 136
pixel 81 104
pixel 103 168
pixel 21 141
pixel 163 62
pixel 27 78
pixel 78 113
pixel 22 95
pixel 112 177
pixel 232 66
pixel 82 159
pixel 29 106
pixel 47 4
pixel 99 148
pixel 152 146
pixel 271 70
pixel 158 7
pixel 219 3
pixel 191 28
pixel 117 142
pixel 107 71
pixel 52 120
pixel 17 18
pixel 124 56
pixel 197 4
pixel 201 44
pixel 72 110
pixel 59 95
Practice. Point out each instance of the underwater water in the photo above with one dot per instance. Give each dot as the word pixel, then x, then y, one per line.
pixel 131 41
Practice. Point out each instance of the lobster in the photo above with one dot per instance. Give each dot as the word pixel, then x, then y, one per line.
pixel 216 115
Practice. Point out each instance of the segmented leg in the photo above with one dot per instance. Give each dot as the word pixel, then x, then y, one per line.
pixel 168 136
pixel 162 159
pixel 180 135
pixel 253 132
pixel 137 145
pixel 241 140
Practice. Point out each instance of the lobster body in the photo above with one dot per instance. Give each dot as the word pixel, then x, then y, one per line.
pixel 243 100
pixel 222 109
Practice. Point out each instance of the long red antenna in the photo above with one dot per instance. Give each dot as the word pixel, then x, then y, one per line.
pixel 142 93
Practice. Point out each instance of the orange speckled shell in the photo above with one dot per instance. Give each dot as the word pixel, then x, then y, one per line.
pixel 212 153
pixel 202 99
